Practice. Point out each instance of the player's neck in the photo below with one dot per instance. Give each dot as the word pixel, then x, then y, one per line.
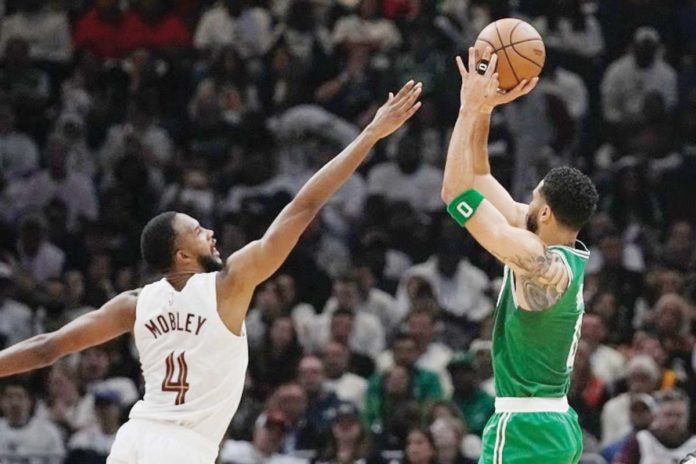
pixel 177 278
pixel 556 236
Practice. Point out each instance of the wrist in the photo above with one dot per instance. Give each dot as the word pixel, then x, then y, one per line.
pixel 371 134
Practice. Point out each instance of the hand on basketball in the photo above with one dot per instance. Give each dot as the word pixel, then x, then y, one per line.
pixel 479 82
pixel 479 91
pixel 397 110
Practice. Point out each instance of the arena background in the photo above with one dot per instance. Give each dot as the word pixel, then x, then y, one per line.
pixel 112 111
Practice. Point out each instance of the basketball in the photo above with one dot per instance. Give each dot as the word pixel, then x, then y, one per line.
pixel 520 49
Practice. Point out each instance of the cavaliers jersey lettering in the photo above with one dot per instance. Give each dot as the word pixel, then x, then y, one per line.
pixel 175 322
pixel 193 366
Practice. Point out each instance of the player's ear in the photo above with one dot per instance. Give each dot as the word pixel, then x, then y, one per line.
pixel 545 214
pixel 182 256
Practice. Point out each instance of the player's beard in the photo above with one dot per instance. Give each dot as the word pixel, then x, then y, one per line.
pixel 210 263
pixel 532 223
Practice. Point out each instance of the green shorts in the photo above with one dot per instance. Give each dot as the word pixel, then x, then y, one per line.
pixel 532 438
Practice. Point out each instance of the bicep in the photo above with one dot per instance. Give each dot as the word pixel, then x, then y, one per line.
pixel 113 319
pixel 541 272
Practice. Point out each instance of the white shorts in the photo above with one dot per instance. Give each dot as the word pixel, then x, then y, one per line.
pixel 141 441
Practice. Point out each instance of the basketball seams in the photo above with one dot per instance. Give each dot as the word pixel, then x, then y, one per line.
pixel 514 73
pixel 528 59
pixel 496 50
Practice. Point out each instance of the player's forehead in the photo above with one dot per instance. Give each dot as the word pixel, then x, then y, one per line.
pixel 184 223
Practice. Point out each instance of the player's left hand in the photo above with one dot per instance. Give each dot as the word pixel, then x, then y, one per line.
pixel 397 110
pixel 478 84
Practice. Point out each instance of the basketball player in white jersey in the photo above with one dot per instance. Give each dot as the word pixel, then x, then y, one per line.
pixel 189 326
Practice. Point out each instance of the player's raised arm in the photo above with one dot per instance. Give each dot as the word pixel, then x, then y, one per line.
pixel 484 182
pixel 115 318
pixel 260 259
pixel 542 273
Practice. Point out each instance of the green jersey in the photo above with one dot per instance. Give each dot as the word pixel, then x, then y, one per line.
pixel 533 351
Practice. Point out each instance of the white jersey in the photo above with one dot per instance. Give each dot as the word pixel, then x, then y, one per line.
pixel 193 366
pixel 654 452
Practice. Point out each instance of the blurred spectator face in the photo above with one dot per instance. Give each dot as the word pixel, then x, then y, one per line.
pixel 680 236
pixel 671 421
pixel 593 330
pixel 641 412
pixel 420 326
pixel 341 328
pixel 397 382
pixel 75 287
pixel 108 411
pixel 645 52
pixel 419 449
pixel 61 383
pixel 282 332
pixel 405 351
pixel 269 432
pixel 347 294
pixel 347 428
pixel 605 306
pixel 292 399
pixel 672 315
pixel 643 375
pixel 310 374
pixel 16 404
pixel 651 346
pixel 448 439
pixel 600 226
pixel 99 267
pixel 94 364
pixel 336 359
pixel 287 289
pixel 55 297
pixel 417 287
pixel 268 301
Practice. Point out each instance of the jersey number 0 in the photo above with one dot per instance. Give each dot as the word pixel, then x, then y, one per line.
pixel 181 386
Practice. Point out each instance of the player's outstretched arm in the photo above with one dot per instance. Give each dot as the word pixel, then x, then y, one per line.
pixel 115 318
pixel 258 260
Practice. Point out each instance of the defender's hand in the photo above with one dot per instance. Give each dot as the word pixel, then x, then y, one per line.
pixel 397 110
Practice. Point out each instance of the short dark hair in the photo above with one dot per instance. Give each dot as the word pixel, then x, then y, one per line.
pixel 157 241
pixel 571 195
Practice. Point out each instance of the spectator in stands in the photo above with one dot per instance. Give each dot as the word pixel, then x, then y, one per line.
pixel 311 377
pixel 266 307
pixel 16 319
pixel 278 357
pixel 368 336
pixel 667 439
pixel 448 435
pixel 673 322
pixel 587 393
pixel 23 435
pixel 301 434
pixel 367 26
pixel 269 431
pixel 19 156
pixel 607 363
pixel 630 78
pixel 100 30
pixel 475 405
pixel 341 329
pixel 432 355
pixel 420 447
pixel 75 189
pixel 679 250
pixel 92 444
pixel 642 377
pixel 38 257
pixel 45 29
pixel 348 440
pixel 152 25
pixel 346 385
pixel 407 178
pixel 642 409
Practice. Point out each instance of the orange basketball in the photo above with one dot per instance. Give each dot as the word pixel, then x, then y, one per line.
pixel 520 49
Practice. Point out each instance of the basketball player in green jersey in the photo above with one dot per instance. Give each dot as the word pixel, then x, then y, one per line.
pixel 540 307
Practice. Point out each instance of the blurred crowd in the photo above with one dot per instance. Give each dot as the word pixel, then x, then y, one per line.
pixel 372 343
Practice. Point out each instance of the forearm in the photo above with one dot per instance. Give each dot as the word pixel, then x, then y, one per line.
pixel 459 167
pixel 26 355
pixel 479 144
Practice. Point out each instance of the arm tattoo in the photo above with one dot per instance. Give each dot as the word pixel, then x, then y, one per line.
pixel 544 279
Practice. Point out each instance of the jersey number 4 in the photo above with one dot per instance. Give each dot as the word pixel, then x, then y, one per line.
pixel 180 387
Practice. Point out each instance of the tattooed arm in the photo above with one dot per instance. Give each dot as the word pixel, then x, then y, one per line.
pixel 542 276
